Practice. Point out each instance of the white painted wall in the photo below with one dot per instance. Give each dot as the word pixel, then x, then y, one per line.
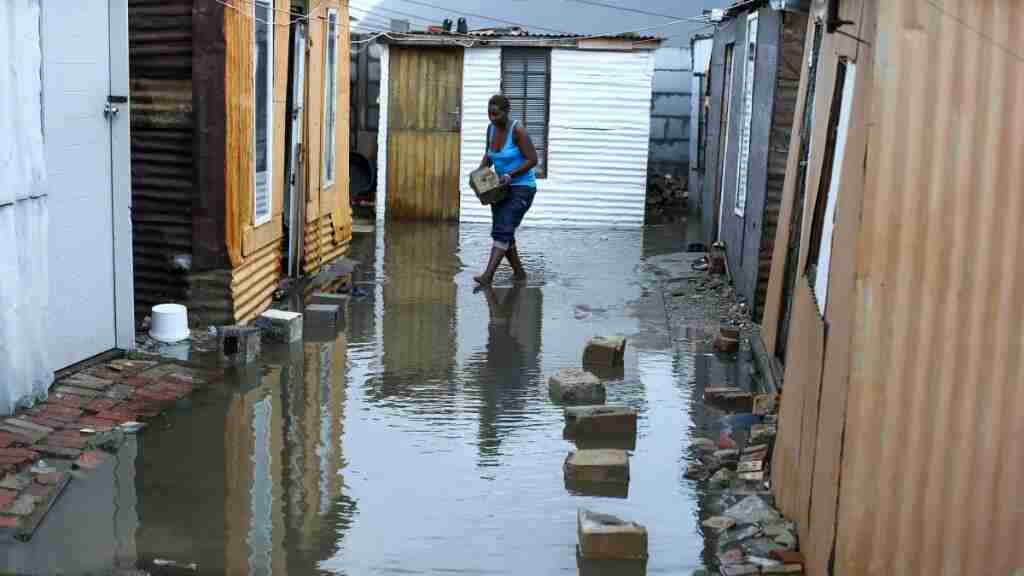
pixel 598 139
pixel 381 201
pixel 25 371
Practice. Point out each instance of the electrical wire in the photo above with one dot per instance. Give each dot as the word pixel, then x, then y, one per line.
pixel 622 8
pixel 509 22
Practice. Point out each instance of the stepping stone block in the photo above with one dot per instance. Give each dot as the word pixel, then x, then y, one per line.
pixel 239 345
pixel 605 351
pixel 583 421
pixel 327 298
pixel 323 314
pixel 606 537
pixel 575 386
pixel 597 467
pixel 281 325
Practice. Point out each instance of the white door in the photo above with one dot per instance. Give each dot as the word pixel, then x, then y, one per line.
pixel 295 201
pixel 79 138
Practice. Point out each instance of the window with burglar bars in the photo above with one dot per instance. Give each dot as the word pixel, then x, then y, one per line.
pixel 525 81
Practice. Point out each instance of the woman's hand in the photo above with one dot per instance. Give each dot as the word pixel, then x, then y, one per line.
pixel 505 180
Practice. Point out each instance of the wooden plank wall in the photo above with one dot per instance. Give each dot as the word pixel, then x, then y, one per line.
pixel 328 216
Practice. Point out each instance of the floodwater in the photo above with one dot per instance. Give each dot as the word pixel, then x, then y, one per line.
pixel 418 440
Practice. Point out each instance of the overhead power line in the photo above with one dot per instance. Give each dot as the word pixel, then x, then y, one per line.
pixel 622 8
pixel 492 19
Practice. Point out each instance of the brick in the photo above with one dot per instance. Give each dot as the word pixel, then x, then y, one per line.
pixel 41 492
pixel 50 478
pixel 739 570
pixel 606 537
pixel 65 442
pixel 119 392
pixel 10 522
pixel 59 451
pixel 83 392
pixel 238 345
pixel 101 404
pixel 86 381
pixel 69 400
pixel 575 386
pixel 7 497
pixel 22 435
pixel 118 416
pixel 6 439
pixel 32 427
pixel 61 413
pixel 597 466
pixel 43 421
pixel 24 505
pixel 600 421
pixel 281 325
pixel 98 424
pixel 604 351
pixel 139 381
pixel 323 315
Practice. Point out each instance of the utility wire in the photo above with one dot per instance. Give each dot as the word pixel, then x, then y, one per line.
pixel 509 22
pixel 622 8
pixel 398 12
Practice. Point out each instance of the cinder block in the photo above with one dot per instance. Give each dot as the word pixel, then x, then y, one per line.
pixel 597 466
pixel 281 325
pixel 239 345
pixel 331 299
pixel 323 314
pixel 606 537
pixel 600 421
pixel 604 351
pixel 575 386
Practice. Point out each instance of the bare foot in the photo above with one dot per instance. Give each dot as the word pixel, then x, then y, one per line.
pixel 483 279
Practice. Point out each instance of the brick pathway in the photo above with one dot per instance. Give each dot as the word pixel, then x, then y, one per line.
pixel 74 424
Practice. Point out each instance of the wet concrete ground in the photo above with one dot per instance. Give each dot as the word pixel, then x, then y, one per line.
pixel 420 439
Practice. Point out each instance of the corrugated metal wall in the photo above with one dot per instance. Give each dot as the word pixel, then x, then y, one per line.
pixel 599 137
pixel 899 445
pixel 160 45
pixel 934 462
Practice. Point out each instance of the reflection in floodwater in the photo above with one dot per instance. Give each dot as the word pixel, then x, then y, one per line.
pixel 420 440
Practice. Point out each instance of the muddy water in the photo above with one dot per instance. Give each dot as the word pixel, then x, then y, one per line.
pixel 418 440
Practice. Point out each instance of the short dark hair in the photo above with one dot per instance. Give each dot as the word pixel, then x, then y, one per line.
pixel 502 102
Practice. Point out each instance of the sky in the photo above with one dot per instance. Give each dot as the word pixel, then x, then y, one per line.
pixel 648 17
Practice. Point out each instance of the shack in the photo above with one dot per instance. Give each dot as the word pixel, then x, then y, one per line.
pixel 898 450
pixel 586 103
pixel 237 176
pixel 65 192
pixel 755 71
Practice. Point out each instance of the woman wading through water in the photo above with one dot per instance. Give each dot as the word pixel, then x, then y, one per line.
pixel 513 156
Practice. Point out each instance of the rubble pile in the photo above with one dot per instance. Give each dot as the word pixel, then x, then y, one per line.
pixel 666 190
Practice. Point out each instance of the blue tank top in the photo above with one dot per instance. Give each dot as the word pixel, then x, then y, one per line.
pixel 509 158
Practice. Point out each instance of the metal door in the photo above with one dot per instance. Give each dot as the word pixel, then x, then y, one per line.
pixel 85 123
pixel 425 117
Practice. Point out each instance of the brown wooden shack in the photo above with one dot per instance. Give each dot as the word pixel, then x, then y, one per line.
pixel 239 149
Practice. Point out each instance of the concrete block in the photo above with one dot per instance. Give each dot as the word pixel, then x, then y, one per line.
pixel 597 466
pixel 576 386
pixel 605 351
pixel 238 345
pixel 600 421
pixel 330 299
pixel 324 314
pixel 281 325
pixel 610 567
pixel 606 537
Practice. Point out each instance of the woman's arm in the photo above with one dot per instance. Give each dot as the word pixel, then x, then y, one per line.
pixel 486 161
pixel 522 140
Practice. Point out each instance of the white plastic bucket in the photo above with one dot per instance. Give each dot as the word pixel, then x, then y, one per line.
pixel 169 323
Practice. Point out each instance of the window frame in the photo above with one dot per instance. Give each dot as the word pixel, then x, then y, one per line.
pixel 329 162
pixel 542 159
pixel 747 117
pixel 818 267
pixel 268 179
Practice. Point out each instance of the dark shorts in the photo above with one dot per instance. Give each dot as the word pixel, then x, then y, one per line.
pixel 508 214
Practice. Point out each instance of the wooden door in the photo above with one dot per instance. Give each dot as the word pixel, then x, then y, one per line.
pixel 424 122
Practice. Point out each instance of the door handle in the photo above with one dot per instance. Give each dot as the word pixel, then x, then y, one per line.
pixel 109 110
